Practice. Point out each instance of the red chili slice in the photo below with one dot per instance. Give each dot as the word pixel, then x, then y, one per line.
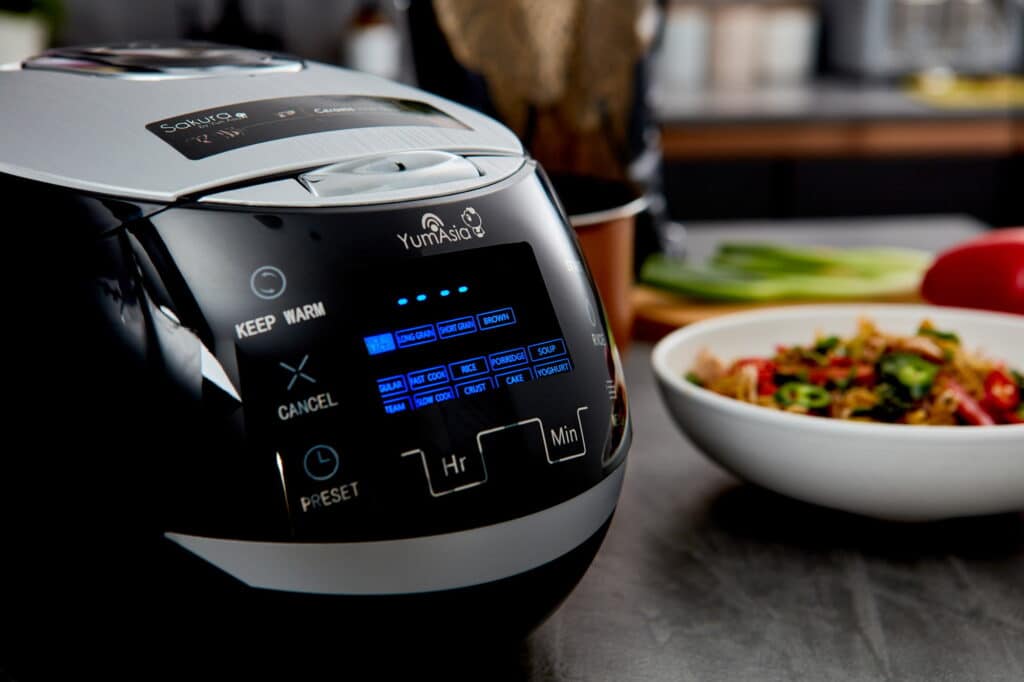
pixel 765 373
pixel 1001 392
pixel 968 408
pixel 861 374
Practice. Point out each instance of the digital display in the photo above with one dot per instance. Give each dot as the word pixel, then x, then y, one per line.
pixel 480 321
pixel 200 134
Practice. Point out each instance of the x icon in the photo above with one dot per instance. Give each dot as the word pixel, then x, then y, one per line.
pixel 297 372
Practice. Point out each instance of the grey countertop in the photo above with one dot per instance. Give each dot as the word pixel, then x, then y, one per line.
pixel 819 101
pixel 703 577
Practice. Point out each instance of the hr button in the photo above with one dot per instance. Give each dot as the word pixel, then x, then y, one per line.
pixel 452 472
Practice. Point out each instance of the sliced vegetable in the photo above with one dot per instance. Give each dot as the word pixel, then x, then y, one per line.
pixel 1015 416
pixel 806 395
pixel 913 379
pixel 1019 378
pixel 826 344
pixel 775 259
pixel 890 404
pixel 987 272
pixel 766 272
pixel 969 409
pixel 765 373
pixel 842 376
pixel 937 334
pixel 910 372
pixel 1001 392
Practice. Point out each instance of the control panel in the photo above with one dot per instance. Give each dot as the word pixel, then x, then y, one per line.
pixel 395 382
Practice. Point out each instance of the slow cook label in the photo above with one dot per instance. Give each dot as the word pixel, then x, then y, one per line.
pixel 200 134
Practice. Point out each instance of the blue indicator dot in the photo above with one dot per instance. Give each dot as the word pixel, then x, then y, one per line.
pixel 445 292
pixel 421 297
pixel 463 289
pixel 403 301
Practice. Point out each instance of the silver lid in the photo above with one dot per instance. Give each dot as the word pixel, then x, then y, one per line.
pixel 104 135
pixel 162 61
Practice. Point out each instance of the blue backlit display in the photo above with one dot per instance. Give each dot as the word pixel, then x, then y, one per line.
pixel 433 397
pixel 416 336
pixel 458 327
pixel 475 387
pixel 468 368
pixel 473 376
pixel 507 358
pixel 519 376
pixel 476 326
pixel 549 369
pixel 379 343
pixel 497 318
pixel 392 385
pixel 428 377
pixel 396 406
pixel 547 350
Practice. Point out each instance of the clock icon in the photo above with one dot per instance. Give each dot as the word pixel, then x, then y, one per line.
pixel 321 462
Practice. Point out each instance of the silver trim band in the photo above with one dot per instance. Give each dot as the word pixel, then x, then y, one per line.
pixel 425 564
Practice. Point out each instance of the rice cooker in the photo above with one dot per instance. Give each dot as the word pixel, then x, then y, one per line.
pixel 315 352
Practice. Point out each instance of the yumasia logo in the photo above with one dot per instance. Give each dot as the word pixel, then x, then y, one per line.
pixel 435 233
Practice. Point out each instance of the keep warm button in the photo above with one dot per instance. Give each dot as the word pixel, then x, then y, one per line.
pixel 451 472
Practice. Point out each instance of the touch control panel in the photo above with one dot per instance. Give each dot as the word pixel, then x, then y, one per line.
pixel 393 387
pixel 476 331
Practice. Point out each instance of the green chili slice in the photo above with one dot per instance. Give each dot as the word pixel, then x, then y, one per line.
pixel 937 334
pixel 826 344
pixel 806 395
pixel 912 373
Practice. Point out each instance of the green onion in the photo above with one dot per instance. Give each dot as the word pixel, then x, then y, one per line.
pixel 694 379
pixel 766 272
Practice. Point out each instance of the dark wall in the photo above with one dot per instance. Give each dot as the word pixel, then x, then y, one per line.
pixel 990 189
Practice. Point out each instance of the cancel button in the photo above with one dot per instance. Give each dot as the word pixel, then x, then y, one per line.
pixel 298 408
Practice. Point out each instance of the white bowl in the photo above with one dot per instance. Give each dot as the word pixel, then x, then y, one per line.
pixel 888 471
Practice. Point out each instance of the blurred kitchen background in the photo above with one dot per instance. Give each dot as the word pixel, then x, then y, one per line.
pixel 780 112
pixel 767 109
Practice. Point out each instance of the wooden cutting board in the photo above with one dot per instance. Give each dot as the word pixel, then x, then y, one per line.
pixel 658 312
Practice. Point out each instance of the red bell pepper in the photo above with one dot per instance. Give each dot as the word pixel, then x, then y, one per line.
pixel 1001 392
pixel 987 272
pixel 967 407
